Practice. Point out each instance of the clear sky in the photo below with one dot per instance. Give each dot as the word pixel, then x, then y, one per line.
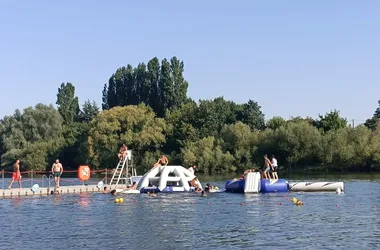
pixel 296 58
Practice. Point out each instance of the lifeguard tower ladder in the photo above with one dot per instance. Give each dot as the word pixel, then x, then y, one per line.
pixel 124 171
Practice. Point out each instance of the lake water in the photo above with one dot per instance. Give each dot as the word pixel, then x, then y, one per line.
pixel 188 221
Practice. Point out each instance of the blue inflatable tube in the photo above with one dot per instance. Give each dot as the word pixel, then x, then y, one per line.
pixel 267 186
pixel 235 186
pixel 273 186
pixel 149 190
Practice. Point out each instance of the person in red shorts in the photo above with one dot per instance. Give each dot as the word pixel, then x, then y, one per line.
pixel 16 174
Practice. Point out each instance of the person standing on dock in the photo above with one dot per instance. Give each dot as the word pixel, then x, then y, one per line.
pixel 16 174
pixel 57 170
pixel 274 168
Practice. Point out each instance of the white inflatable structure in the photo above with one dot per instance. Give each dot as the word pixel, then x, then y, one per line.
pixel 316 186
pixel 167 179
pixel 252 183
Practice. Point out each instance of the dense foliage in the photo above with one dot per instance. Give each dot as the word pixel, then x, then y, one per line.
pixel 148 109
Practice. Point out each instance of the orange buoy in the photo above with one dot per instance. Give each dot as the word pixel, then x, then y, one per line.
pixel 84 172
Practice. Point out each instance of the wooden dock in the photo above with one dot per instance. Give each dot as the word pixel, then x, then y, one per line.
pixel 79 189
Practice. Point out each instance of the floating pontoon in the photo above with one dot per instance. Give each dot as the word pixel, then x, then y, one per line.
pixel 316 186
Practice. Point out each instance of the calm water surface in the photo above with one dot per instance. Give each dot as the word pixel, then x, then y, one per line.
pixel 188 221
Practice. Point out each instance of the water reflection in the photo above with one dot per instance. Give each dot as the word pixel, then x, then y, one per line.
pixel 17 201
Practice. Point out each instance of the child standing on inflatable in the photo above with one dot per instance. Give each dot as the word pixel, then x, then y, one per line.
pixel 16 174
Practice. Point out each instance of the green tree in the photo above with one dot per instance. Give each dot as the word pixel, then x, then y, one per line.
pixel 207 153
pixel 155 95
pixel 166 88
pixel 275 122
pixel 241 142
pixel 298 119
pixel 375 120
pixel 180 84
pixel 296 144
pixel 212 115
pixel 89 111
pixel 161 87
pixel 337 151
pixel 136 126
pixel 33 136
pixel 377 111
pixel 331 121
pixel 253 116
pixel 372 123
pixel 68 104
pixel 374 158
pixel 180 124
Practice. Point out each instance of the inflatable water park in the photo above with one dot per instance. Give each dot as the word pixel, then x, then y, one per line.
pixel 167 179
pixel 172 179
pixel 253 183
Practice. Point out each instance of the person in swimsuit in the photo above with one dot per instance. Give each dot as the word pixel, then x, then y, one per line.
pixel 123 152
pixel 192 169
pixel 195 183
pixel 274 168
pixel 57 171
pixel 16 174
pixel 163 161
pixel 267 167
pixel 248 171
pixel 133 187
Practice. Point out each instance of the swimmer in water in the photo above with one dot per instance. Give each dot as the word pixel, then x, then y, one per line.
pixel 105 190
pixel 133 187
pixel 113 192
pixel 208 187
pixel 195 183
pixel 203 193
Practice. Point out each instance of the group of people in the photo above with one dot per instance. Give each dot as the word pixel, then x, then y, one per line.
pixel 56 170
pixel 270 167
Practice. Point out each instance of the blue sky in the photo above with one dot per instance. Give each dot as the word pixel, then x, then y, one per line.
pixel 296 58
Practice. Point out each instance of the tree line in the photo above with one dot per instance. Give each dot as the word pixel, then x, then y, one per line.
pixel 147 108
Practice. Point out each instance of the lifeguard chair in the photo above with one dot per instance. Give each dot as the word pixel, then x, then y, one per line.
pixel 124 172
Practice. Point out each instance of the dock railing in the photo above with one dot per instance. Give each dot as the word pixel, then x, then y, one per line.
pixel 38 177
